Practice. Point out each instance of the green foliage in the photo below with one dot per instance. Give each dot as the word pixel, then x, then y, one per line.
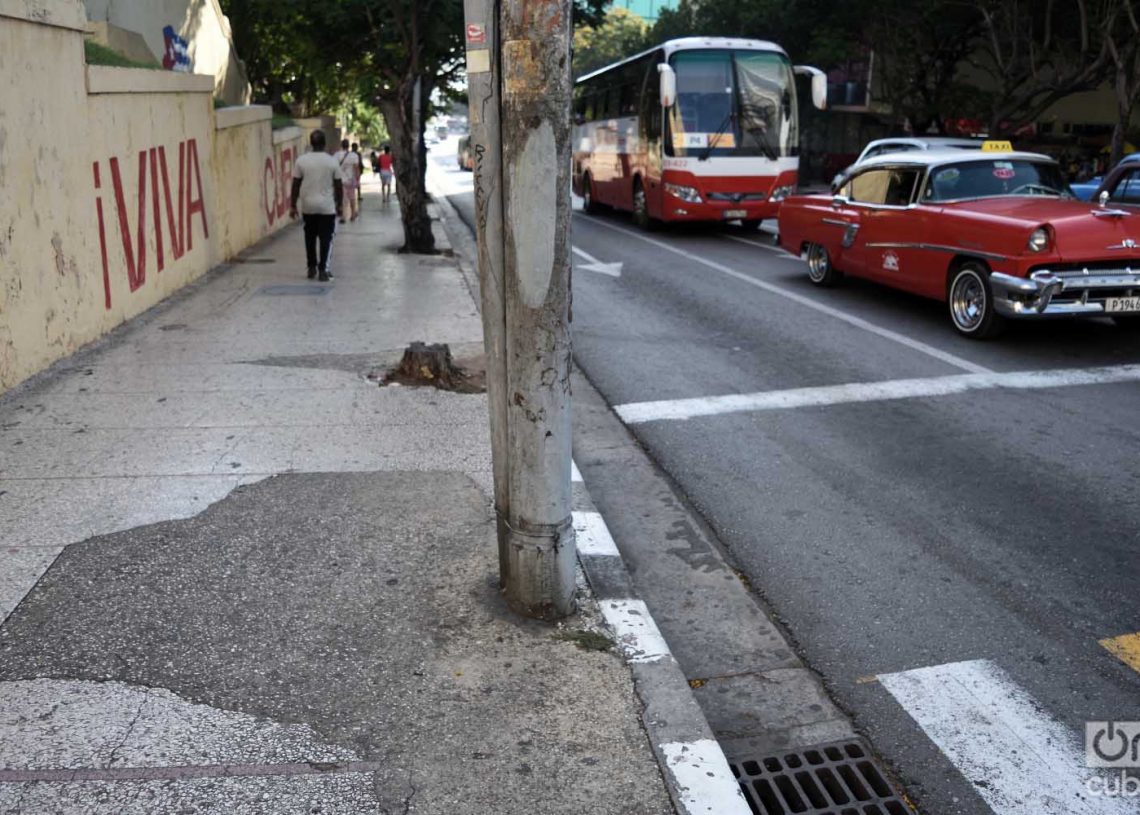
pixel 102 55
pixel 366 122
pixel 280 121
pixel 620 34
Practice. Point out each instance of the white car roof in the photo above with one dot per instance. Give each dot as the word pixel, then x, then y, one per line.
pixel 927 142
pixel 931 157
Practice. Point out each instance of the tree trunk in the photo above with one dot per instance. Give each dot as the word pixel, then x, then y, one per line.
pixel 409 168
pixel 1124 90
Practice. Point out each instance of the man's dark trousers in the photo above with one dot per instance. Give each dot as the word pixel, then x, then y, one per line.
pixel 319 227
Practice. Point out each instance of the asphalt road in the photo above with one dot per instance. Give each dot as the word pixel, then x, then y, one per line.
pixel 997 527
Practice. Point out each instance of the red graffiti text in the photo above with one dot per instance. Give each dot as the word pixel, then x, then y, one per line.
pixel 276 183
pixel 188 200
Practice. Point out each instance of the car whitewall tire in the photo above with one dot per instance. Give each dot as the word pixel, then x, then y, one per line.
pixel 970 300
pixel 820 270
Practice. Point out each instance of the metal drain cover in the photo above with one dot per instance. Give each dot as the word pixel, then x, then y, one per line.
pixel 294 289
pixel 840 778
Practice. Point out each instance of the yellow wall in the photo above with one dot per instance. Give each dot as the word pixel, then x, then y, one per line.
pixel 71 263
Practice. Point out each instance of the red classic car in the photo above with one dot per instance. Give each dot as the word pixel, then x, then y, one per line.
pixel 995 235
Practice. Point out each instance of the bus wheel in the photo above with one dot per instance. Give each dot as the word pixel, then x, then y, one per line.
pixel 641 206
pixel 589 205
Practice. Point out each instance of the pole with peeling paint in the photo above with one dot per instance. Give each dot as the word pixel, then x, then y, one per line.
pixel 482 25
pixel 521 139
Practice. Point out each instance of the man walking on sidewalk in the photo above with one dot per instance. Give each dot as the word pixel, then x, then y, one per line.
pixel 349 163
pixel 318 183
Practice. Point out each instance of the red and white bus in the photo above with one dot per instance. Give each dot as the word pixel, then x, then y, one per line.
pixel 696 129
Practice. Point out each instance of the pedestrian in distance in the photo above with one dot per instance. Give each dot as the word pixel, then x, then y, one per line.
pixel 386 173
pixel 359 178
pixel 349 163
pixel 375 159
pixel 318 187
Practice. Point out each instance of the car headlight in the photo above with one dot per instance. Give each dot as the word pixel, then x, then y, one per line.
pixel 780 193
pixel 689 194
pixel 1039 240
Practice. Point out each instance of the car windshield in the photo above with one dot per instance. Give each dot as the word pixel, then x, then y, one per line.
pixel 993 178
pixel 733 103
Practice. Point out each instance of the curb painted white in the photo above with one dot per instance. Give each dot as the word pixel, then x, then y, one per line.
pixel 593 536
pixel 702 777
pixel 636 632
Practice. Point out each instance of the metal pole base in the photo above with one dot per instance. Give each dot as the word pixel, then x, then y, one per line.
pixel 541 568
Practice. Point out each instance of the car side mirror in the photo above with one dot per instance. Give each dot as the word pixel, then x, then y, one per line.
pixel 838 201
pixel 818 85
pixel 668 79
pixel 1103 198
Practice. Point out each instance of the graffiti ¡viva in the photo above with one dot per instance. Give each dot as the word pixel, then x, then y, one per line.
pixel 180 211
pixel 277 182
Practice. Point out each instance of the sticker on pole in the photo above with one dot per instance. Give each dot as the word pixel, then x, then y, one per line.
pixel 478 62
pixel 476 34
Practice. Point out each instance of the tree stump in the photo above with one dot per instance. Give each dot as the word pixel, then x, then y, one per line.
pixel 424 364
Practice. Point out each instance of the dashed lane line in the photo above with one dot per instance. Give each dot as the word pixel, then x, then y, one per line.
pixel 807 302
pixel 1126 648
pixel 1020 760
pixel 680 409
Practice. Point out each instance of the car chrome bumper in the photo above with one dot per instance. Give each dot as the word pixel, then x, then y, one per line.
pixel 1061 294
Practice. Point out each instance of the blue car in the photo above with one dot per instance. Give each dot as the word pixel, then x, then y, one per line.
pixel 1084 190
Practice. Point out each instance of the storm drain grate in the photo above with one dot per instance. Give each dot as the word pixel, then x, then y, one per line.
pixel 293 289
pixel 832 779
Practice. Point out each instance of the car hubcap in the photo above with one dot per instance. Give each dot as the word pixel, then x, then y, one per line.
pixel 818 263
pixel 968 301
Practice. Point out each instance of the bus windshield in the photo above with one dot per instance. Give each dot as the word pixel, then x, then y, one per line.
pixel 733 103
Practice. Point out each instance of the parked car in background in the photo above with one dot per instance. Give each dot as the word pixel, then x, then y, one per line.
pixel 464 155
pixel 1088 190
pixel 906 144
pixel 1122 184
pixel 994 235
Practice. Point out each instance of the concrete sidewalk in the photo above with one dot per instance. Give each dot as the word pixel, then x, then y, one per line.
pixel 238 575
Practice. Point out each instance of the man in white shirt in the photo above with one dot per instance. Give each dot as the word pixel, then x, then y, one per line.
pixel 319 184
pixel 349 161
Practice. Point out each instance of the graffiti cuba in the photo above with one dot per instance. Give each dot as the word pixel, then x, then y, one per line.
pixel 277 182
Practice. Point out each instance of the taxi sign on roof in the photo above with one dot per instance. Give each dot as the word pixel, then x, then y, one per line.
pixel 997 147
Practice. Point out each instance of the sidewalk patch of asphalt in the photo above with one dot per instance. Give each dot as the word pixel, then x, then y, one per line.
pixel 364 606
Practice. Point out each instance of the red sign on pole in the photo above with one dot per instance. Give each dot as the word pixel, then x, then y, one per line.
pixel 476 34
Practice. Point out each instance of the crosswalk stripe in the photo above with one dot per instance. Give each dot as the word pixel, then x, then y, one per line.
pixel 1126 648
pixel 857 392
pixel 1020 760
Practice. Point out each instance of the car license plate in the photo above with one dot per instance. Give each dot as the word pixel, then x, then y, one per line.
pixel 729 214
pixel 1122 304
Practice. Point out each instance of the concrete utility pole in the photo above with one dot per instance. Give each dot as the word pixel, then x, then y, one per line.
pixel 518 76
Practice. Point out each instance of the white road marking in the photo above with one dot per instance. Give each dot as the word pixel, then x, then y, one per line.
pixel 858 322
pixel 636 632
pixel 593 536
pixel 704 780
pixel 679 409
pixel 575 473
pixel 1020 760
pixel 592 264
pixel 767 246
